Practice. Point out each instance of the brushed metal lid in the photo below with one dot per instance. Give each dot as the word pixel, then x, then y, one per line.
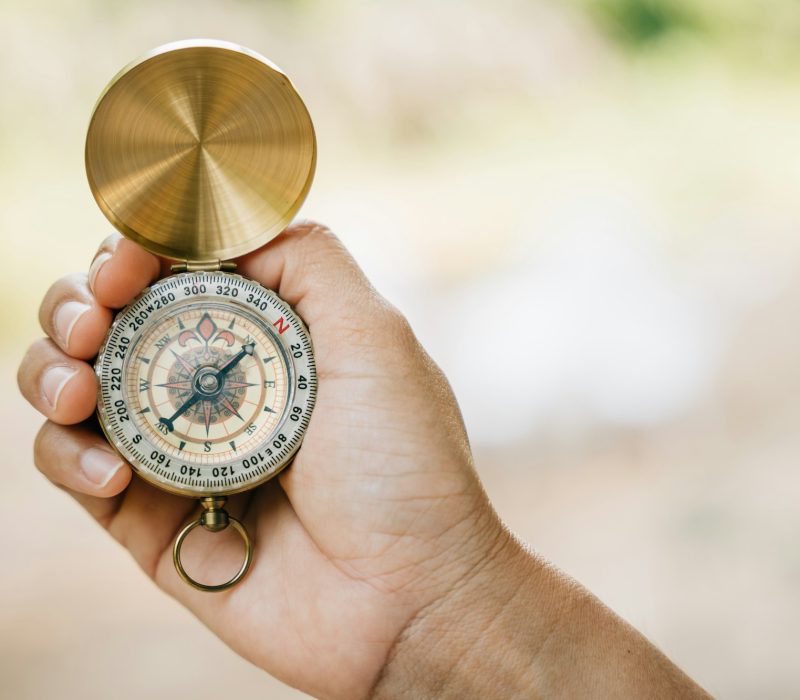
pixel 200 150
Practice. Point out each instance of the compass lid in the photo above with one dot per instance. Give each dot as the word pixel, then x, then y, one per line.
pixel 200 150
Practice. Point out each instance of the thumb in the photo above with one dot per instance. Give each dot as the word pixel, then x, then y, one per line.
pixel 309 267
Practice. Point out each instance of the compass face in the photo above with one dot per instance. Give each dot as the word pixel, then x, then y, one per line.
pixel 207 383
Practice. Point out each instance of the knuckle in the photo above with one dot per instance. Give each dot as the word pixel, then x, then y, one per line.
pixel 44 355
pixel 30 364
pixel 72 286
pixel 75 283
pixel 22 378
pixel 108 245
pixel 41 445
pixel 398 326
pixel 40 351
pixel 74 280
pixel 389 339
pixel 22 372
pixel 309 227
pixel 316 239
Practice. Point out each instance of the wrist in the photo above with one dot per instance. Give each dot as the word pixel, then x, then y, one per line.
pixel 517 627
pixel 480 638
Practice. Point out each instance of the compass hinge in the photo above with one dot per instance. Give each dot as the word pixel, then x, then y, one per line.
pixel 204 266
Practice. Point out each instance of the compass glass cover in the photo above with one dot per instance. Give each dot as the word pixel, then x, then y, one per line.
pixel 207 383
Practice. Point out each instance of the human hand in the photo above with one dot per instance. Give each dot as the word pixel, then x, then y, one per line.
pixel 380 568
pixel 378 516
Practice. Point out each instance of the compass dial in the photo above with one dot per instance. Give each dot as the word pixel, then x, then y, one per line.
pixel 207 383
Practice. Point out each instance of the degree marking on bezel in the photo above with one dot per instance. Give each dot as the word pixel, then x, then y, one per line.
pixel 270 465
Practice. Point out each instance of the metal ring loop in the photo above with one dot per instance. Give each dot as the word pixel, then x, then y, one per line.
pixel 248 557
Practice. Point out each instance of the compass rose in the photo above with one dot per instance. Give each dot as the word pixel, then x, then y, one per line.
pixel 204 380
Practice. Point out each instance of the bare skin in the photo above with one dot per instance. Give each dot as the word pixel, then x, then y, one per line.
pixel 381 568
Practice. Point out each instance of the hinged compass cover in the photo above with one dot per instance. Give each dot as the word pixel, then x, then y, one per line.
pixel 200 150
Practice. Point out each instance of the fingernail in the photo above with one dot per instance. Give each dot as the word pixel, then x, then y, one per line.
pixel 99 465
pixel 97 265
pixel 54 381
pixel 66 317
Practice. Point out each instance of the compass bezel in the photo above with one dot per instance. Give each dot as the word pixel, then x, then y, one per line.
pixel 266 459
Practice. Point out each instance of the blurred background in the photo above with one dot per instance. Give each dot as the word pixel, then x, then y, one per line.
pixel 601 194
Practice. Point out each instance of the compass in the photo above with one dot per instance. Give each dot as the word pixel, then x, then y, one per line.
pixel 201 151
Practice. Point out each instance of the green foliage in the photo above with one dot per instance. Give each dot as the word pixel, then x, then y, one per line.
pixel 638 23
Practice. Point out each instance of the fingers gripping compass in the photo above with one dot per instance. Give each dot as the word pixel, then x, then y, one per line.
pixel 202 151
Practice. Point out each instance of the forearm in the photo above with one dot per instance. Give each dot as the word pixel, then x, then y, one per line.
pixel 519 628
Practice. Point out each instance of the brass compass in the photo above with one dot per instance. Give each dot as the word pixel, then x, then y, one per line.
pixel 201 151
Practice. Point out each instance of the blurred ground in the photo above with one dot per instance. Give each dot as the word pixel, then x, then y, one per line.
pixel 602 194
